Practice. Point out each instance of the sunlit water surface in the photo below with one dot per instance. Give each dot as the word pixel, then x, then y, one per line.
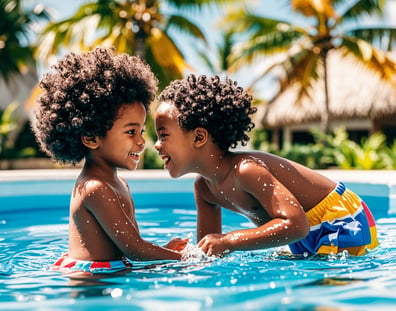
pixel 32 239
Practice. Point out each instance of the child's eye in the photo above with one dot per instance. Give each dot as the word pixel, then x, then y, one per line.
pixel 131 132
pixel 162 135
pixel 143 131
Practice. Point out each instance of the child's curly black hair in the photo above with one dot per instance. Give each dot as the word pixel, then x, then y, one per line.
pixel 221 107
pixel 83 96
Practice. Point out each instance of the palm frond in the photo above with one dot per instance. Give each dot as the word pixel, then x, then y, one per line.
pixel 185 25
pixel 201 4
pixel 243 21
pixel 301 69
pixel 314 8
pixel 362 8
pixel 381 37
pixel 166 53
pixel 71 32
pixel 275 42
pixel 15 31
pixel 207 61
pixel 374 59
pixel 164 75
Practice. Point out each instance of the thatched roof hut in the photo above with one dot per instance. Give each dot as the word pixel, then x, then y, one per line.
pixel 357 96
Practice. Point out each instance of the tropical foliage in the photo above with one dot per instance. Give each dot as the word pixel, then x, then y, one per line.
pixel 8 123
pixel 137 27
pixel 336 150
pixel 16 53
pixel 331 25
pixel 218 62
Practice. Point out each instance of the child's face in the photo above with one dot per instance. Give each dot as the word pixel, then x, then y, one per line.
pixel 124 142
pixel 174 144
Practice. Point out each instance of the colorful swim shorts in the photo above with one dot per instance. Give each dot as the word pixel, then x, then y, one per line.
pixel 69 266
pixel 341 221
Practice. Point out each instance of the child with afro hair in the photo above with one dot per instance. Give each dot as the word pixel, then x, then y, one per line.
pixel 198 121
pixel 93 108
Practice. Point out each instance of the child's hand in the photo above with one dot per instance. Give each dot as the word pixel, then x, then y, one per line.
pixel 214 244
pixel 177 244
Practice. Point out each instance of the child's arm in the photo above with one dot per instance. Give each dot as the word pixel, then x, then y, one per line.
pixel 118 221
pixel 287 220
pixel 209 216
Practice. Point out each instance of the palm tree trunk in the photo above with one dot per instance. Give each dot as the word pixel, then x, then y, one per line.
pixel 140 44
pixel 325 114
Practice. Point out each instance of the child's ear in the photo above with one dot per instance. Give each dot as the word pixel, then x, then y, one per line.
pixel 90 141
pixel 201 136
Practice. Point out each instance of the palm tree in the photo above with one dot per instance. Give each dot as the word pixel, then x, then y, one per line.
pixel 137 27
pixel 306 48
pixel 220 63
pixel 15 29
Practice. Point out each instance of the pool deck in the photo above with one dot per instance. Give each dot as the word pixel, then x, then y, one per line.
pixel 368 184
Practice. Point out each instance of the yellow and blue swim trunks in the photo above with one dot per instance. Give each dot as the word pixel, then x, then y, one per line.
pixel 341 221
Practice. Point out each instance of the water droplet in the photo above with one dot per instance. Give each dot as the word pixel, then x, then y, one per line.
pixel 116 292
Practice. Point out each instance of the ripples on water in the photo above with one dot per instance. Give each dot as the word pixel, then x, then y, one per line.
pixel 262 280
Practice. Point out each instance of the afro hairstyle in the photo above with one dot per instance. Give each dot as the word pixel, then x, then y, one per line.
pixel 82 97
pixel 221 107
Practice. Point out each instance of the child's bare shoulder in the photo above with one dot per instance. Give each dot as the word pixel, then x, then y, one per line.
pixel 246 162
pixel 92 185
pixel 200 183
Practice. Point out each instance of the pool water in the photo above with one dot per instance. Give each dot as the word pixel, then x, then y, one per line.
pixel 33 238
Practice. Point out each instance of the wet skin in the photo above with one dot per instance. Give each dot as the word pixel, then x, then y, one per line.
pixel 102 224
pixel 273 192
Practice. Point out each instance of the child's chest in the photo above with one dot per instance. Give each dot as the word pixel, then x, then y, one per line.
pixel 241 202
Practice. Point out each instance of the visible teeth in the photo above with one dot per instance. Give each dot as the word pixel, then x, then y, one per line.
pixel 134 154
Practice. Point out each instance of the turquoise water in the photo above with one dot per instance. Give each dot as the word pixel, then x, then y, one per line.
pixel 34 234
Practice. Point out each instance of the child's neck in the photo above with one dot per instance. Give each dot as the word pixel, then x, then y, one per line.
pixel 218 167
pixel 99 170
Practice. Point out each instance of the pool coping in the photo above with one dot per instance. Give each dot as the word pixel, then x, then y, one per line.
pixel 72 173
pixel 383 182
pixel 371 176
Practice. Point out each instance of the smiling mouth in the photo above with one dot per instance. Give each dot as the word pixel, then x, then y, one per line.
pixel 134 155
pixel 166 159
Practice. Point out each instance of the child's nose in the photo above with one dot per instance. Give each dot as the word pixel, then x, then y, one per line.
pixel 157 145
pixel 142 142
